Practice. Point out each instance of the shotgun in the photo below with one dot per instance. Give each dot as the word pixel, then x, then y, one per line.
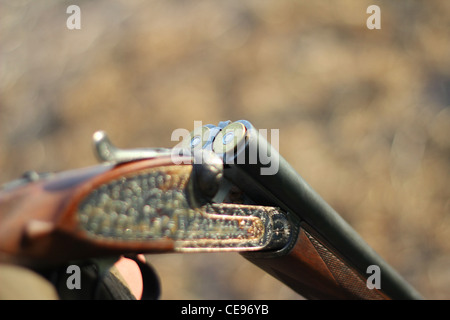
pixel 222 188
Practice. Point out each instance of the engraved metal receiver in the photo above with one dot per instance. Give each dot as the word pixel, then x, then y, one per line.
pixel 191 205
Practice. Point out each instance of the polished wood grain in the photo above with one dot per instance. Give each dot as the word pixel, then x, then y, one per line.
pixel 314 270
pixel 38 224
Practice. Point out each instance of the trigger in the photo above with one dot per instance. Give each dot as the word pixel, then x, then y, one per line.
pixel 148 286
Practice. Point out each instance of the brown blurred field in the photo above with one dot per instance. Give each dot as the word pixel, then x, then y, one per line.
pixel 364 115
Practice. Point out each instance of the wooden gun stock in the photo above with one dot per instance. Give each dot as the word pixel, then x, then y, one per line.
pixel 39 224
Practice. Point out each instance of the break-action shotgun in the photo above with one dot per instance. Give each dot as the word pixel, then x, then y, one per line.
pixel 223 188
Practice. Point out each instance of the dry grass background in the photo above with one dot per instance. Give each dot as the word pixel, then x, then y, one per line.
pixel 364 115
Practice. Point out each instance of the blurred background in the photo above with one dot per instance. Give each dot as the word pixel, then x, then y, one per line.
pixel 364 115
